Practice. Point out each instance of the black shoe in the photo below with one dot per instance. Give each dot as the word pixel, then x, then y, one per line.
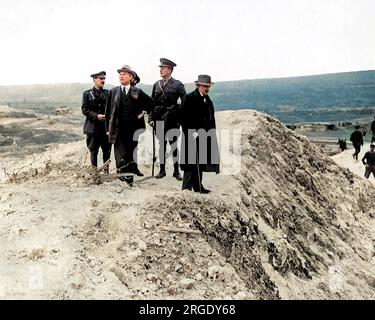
pixel 131 167
pixel 203 190
pixel 161 175
pixel 139 173
pixel 177 175
pixel 128 179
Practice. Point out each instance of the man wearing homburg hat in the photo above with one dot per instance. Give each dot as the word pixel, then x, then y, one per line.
pixel 166 94
pixel 124 115
pixel 93 107
pixel 199 145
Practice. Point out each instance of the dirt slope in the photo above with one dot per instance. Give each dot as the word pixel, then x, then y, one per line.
pixel 290 224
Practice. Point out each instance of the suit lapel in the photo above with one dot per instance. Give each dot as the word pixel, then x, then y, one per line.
pixel 117 98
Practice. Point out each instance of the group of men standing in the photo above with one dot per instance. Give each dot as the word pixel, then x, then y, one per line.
pixel 116 117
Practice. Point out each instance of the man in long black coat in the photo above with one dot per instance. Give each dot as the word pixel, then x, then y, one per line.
pixel 357 139
pixel 93 107
pixel 124 114
pixel 372 127
pixel 199 145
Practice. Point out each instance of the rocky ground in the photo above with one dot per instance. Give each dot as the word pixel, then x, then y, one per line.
pixel 289 224
pixel 25 131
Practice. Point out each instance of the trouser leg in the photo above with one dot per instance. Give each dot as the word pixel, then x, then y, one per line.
pixel 125 145
pixel 162 150
pixel 106 148
pixel 119 151
pixel 357 151
pixel 198 181
pixel 176 168
pixel 93 145
pixel 367 172
pixel 133 154
pixel 372 171
pixel 191 180
pixel 187 182
pixel 174 147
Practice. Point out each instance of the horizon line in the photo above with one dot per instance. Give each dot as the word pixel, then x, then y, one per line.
pixel 223 81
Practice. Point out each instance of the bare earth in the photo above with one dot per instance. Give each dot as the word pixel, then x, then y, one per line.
pixel 290 224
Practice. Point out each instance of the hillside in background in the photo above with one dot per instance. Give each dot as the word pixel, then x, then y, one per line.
pixel 328 98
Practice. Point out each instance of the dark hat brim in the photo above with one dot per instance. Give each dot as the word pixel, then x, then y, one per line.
pixel 204 83
pixel 127 71
pixel 137 79
pixel 98 74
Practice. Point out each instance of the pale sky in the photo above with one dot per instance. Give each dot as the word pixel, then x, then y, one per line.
pixel 58 41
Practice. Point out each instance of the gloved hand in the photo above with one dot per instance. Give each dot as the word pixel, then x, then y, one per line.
pixel 195 135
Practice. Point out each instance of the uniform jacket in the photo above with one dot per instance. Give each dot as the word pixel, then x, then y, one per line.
pixel 93 103
pixel 166 102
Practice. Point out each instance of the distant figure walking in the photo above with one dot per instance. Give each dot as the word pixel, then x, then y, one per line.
pixel 373 130
pixel 369 161
pixel 357 139
pixel 342 144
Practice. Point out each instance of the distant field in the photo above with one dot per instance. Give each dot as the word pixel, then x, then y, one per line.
pixel 329 98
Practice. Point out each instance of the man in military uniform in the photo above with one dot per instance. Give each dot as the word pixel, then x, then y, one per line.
pixel 166 93
pixel 124 116
pixel 93 107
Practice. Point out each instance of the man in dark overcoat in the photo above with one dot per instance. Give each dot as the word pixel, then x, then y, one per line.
pixel 357 139
pixel 124 114
pixel 199 144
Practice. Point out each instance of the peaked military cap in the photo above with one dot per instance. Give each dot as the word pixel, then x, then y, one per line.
pixel 167 63
pixel 99 74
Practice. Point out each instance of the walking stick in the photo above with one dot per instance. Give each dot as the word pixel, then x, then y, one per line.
pixel 153 150
pixel 198 169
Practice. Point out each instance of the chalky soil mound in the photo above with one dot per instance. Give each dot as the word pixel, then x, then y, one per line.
pixel 291 224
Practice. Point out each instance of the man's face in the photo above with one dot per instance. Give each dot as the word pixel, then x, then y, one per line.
pixel 372 148
pixel 204 89
pixel 125 78
pixel 165 72
pixel 99 82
